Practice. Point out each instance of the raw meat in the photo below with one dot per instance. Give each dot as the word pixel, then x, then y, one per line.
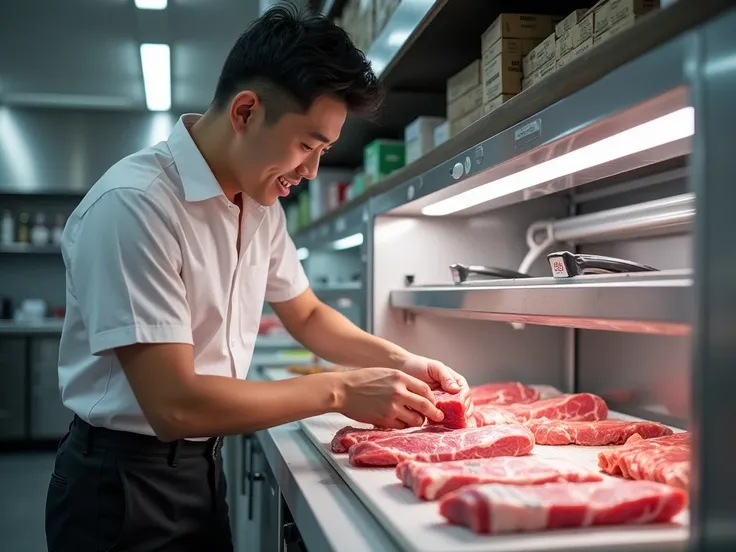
pixel 507 508
pixel 663 459
pixel 432 481
pixel 505 392
pixel 456 407
pixel 440 446
pixel 348 436
pixel 546 391
pixel 582 407
pixel 602 432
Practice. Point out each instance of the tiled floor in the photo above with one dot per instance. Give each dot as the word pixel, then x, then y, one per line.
pixel 24 479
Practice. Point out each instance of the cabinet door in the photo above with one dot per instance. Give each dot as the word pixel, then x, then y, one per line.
pixel 49 418
pixel 13 383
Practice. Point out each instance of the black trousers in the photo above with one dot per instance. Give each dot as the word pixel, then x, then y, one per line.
pixel 119 491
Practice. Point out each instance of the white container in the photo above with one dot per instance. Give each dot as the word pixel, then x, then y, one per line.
pixel 39 232
pixel 419 136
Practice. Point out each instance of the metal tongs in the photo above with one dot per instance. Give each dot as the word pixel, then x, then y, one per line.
pixel 462 273
pixel 565 264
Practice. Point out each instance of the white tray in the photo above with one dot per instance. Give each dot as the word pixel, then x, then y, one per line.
pixel 418 527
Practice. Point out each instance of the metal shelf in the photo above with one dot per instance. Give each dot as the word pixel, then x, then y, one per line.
pixel 27 248
pixel 652 303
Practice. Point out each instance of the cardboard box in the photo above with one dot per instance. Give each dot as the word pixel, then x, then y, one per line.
pixel 512 46
pixel 419 137
pixel 537 76
pixel 381 158
pixel 620 26
pixel 583 30
pixel 441 133
pixel 569 22
pixel 501 75
pixel 463 81
pixel 584 47
pixel 563 45
pixel 465 121
pixel 327 191
pixel 466 103
pixel 539 56
pixel 617 10
pixel 567 58
pixel 516 25
pixel 496 102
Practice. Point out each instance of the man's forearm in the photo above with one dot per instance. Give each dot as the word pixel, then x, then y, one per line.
pixel 331 336
pixel 216 405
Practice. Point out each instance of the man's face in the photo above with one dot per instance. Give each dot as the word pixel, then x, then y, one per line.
pixel 268 160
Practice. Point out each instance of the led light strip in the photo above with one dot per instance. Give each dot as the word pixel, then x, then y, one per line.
pixel 663 130
pixel 151 4
pixel 156 66
pixel 354 240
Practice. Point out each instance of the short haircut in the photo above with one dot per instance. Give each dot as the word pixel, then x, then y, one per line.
pixel 290 57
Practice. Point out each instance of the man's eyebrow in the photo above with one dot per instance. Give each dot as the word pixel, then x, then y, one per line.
pixel 321 137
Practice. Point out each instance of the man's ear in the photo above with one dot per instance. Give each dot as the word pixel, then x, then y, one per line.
pixel 242 109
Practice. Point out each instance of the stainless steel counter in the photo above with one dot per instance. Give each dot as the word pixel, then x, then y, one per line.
pixel 47 326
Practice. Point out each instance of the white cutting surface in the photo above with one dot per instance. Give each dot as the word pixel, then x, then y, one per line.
pixel 417 526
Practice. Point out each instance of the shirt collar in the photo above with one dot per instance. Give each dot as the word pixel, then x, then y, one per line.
pixel 196 177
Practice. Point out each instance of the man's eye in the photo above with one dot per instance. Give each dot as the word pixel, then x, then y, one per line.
pixel 324 151
pixel 307 148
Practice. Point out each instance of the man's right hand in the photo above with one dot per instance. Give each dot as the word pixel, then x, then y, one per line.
pixel 386 398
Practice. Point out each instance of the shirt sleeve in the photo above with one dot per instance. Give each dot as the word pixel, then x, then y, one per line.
pixel 124 264
pixel 286 277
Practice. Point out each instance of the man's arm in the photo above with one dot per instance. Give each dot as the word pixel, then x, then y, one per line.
pixel 331 336
pixel 179 403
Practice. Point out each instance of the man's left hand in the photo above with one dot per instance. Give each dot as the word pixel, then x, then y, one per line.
pixel 434 373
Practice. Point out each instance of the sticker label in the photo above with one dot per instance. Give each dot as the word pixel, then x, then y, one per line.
pixel 557 264
pixel 528 132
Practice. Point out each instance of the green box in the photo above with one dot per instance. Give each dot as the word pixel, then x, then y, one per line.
pixel 381 158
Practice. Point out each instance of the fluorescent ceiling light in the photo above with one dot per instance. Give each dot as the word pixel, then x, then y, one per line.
pixel 156 65
pixel 397 38
pixel 151 4
pixel 302 253
pixel 354 240
pixel 663 130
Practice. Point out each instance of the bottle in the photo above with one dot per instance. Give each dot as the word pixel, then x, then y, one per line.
pixel 58 229
pixel 39 232
pixel 7 232
pixel 24 228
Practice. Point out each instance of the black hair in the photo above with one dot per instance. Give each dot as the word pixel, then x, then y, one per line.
pixel 290 57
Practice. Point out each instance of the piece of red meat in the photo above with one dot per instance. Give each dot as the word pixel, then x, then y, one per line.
pixel 503 392
pixel 507 508
pixel 580 407
pixel 348 436
pixel 662 459
pixel 439 446
pixel 598 433
pixel 432 481
pixel 456 407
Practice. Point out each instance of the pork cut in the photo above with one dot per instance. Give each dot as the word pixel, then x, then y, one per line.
pixel 508 508
pixel 598 433
pixel 662 459
pixel 505 392
pixel 457 408
pixel 347 436
pixel 432 481
pixel 580 407
pixel 430 445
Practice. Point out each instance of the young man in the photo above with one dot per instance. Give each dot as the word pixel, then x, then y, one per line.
pixel 169 259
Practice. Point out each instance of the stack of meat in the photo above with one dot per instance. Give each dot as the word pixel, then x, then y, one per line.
pixel 477 461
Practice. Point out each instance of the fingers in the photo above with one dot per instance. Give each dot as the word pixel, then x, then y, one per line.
pixel 417 386
pixel 423 406
pixel 409 417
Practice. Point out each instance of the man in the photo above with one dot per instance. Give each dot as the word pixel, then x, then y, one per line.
pixel 169 259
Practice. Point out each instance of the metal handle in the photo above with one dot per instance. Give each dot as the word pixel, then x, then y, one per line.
pixel 461 272
pixel 253 477
pixel 565 265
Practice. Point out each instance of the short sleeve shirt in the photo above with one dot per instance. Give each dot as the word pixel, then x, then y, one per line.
pixel 151 257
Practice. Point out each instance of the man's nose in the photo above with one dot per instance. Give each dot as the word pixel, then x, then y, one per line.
pixel 309 168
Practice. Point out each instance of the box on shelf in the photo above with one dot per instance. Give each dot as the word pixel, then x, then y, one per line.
pixel 327 191
pixel 357 185
pixel 581 49
pixel 539 56
pixel 620 26
pixel 617 10
pixel 304 214
pixel 381 158
pixel 441 133
pixel 516 25
pixel 583 30
pixel 511 46
pixel 540 74
pixel 419 137
pixel 501 75
pixel 563 45
pixel 463 81
pixel 496 102
pixel 465 121
pixel 466 103
pixel 569 22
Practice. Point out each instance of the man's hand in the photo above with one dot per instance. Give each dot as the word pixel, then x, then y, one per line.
pixel 386 398
pixel 434 373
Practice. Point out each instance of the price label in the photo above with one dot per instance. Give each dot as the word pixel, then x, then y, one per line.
pixel 558 267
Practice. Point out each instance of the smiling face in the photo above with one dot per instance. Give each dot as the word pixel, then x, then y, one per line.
pixel 266 159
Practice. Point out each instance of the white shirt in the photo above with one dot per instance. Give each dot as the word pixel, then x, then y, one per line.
pixel 151 257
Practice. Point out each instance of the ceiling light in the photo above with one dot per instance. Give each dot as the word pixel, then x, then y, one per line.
pixel 302 253
pixel 354 240
pixel 156 65
pixel 151 4
pixel 663 130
